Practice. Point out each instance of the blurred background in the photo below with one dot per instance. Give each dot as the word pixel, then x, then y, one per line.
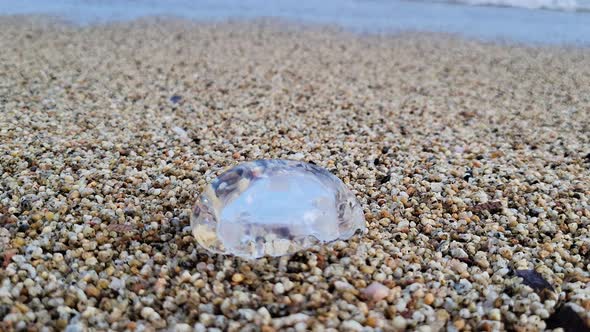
pixel 529 21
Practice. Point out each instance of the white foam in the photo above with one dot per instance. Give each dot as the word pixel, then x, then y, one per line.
pixel 566 5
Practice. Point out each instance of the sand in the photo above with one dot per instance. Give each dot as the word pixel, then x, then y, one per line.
pixel 471 161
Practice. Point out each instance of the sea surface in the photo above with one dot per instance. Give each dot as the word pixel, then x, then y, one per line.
pixel 529 21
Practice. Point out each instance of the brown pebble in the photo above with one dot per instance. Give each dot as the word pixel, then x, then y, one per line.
pixel 496 154
pixel 237 278
pixel 61 323
pixel 18 242
pixel 372 321
pixel 8 257
pixel 92 291
pixel 459 324
pixel 22 308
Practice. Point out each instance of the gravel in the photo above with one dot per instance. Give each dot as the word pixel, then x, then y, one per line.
pixel 470 160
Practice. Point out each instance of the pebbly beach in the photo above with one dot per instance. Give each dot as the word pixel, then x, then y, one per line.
pixel 471 161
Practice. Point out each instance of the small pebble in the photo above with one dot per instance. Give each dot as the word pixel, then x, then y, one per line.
pixel 375 292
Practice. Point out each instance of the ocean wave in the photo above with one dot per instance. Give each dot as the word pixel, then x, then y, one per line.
pixel 564 5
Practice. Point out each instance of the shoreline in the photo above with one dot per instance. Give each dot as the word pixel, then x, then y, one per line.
pixel 290 25
pixel 536 27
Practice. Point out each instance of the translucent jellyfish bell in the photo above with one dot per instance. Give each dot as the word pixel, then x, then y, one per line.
pixel 274 208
